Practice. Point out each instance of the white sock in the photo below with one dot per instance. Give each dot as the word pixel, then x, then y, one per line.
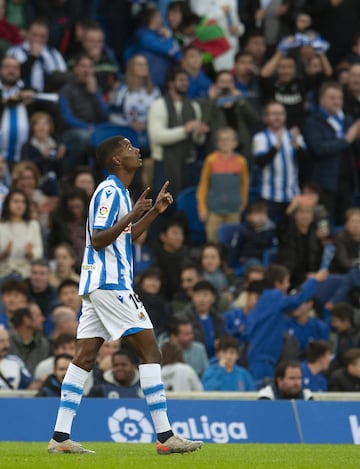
pixel 153 389
pixel 71 394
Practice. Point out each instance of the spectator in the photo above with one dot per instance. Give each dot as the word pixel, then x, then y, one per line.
pixel 256 47
pixel 225 375
pixel 44 151
pixel 4 183
pixel 214 269
pixel 225 12
pixel 52 384
pixel 222 193
pixel 318 357
pixel 275 152
pixel 181 334
pixel 26 339
pixel 247 78
pixel 354 56
pixel 207 323
pixel 347 334
pixel 177 375
pixel 83 178
pixel 253 272
pixel 13 373
pixel 67 222
pixel 347 242
pixel 14 114
pixel 14 295
pixel 330 136
pixel 175 128
pixel 157 44
pixel 64 260
pixel 39 288
pixel 169 253
pixel 149 290
pixel 64 321
pixel 305 326
pixel 199 82
pixel 287 385
pixel 266 323
pixel 68 296
pixel 347 379
pixel 20 237
pixel 64 344
pixel 122 381
pixel 38 60
pixel 190 274
pixel 352 92
pixel 257 234
pixel 82 108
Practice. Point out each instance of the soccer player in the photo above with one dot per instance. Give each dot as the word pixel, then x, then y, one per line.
pixel 110 308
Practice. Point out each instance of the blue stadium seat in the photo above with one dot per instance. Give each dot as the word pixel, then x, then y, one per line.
pixel 186 202
pixel 104 131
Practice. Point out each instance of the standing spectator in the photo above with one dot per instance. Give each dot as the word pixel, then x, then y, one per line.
pixel 14 117
pixel 225 12
pixel 256 47
pixel 177 375
pixel 67 222
pixel 287 385
pixel 13 373
pixel 347 242
pixel 52 384
pixel 181 334
pixel 347 379
pixel 38 60
pixel 82 108
pixel 26 339
pixel 226 375
pixel 266 323
pixel 20 237
pixel 222 193
pixel 175 127
pixel 247 78
pixel 275 154
pixel 64 262
pixel 330 135
pixel 199 82
pixel 352 92
pixel 318 357
pixel 14 295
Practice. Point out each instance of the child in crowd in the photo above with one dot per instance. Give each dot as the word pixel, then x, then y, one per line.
pixel 222 193
pixel 226 375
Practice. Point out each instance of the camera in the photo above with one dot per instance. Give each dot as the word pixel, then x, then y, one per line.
pixel 224 91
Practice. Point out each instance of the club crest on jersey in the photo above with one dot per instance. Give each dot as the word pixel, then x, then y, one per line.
pixel 103 211
pixel 142 316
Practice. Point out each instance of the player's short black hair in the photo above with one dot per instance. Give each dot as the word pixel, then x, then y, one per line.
pixel 106 150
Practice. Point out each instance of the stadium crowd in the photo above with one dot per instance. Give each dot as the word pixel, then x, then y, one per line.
pixel 251 109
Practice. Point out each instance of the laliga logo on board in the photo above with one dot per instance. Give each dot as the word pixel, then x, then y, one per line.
pixel 131 426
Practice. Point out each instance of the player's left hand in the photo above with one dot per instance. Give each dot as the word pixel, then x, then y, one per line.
pixel 164 199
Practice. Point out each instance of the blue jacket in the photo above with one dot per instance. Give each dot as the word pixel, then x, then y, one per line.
pixel 316 383
pixel 235 321
pixel 350 281
pixel 198 86
pixel 313 329
pixel 216 378
pixel 328 152
pixel 266 322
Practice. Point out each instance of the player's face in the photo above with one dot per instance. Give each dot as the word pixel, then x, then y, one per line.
pixel 130 155
pixel 291 383
pixel 123 369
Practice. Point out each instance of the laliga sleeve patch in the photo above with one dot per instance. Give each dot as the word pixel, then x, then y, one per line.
pixel 103 211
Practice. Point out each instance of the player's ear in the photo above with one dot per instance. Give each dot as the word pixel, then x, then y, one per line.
pixel 116 159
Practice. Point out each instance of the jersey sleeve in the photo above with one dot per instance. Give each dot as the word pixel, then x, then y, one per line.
pixel 106 208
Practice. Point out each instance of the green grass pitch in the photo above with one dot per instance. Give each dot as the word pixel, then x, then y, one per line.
pixel 212 456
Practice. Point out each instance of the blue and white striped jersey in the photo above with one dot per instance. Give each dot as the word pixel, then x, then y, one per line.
pixel 279 179
pixel 111 268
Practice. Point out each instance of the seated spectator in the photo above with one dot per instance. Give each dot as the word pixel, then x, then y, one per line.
pixel 67 223
pixel 157 44
pixel 14 295
pixel 82 108
pixel 347 334
pixel 83 178
pixel 63 321
pixel 38 60
pixel 177 375
pixel 207 323
pixel 190 274
pixel 63 344
pixel 305 327
pixel 199 82
pixel 26 339
pixel 347 378
pixel 266 323
pixel 287 384
pixel 347 243
pixel 104 359
pixel 252 273
pixel 43 150
pixel 222 192
pixel 214 268
pixel 52 384
pixel 68 295
pixel 64 262
pixel 352 91
pixel 226 375
pixel 354 56
pixel 20 237
pixel 121 381
pixel 258 233
pixel 13 373
pixel 148 287
pixel 316 364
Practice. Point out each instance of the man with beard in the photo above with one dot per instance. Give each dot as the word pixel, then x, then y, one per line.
pixel 287 384
pixel 175 127
pixel 14 121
